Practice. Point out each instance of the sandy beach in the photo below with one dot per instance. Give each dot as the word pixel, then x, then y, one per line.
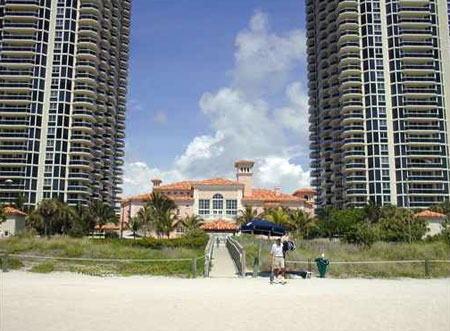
pixel 65 301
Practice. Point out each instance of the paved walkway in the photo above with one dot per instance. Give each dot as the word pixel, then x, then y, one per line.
pixel 222 264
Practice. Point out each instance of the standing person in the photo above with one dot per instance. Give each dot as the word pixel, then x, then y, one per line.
pixel 278 260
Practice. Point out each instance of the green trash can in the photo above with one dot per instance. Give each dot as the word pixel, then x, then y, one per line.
pixel 322 265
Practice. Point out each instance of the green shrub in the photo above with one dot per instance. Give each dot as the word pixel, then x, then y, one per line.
pixel 44 267
pixel 195 239
pixel 13 263
pixel 444 236
pixel 362 234
pixel 111 235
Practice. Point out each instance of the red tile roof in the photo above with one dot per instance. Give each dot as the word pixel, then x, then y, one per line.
pixel 187 185
pixel 270 196
pixel 217 182
pixel 426 214
pixel 8 210
pixel 184 185
pixel 109 227
pixel 306 190
pixel 220 225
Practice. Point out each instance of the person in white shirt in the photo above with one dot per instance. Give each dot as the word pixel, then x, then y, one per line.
pixel 278 259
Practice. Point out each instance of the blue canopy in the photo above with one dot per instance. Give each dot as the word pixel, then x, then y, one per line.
pixel 262 226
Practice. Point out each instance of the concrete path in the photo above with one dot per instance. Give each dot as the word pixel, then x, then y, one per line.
pixel 222 264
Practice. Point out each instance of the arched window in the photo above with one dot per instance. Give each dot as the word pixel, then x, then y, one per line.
pixel 217 204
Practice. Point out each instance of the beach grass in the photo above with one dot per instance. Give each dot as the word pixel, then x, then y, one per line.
pixel 43 268
pixel 66 247
pixel 339 252
pixel 13 263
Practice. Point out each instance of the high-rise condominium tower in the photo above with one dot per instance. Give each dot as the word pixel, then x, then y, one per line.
pixel 63 79
pixel 379 89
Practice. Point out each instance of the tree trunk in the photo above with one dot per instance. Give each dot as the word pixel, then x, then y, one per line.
pixel 409 230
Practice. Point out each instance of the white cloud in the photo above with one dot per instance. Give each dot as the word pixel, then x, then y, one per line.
pixel 138 175
pixel 263 60
pixel 243 129
pixel 295 115
pixel 202 149
pixel 243 122
pixel 276 171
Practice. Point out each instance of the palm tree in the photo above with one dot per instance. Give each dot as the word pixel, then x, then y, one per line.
pixel 102 213
pixel 166 222
pixel 134 225
pixel 278 216
pixel 35 221
pixel 64 217
pixel 246 215
pixel 161 211
pixel 192 222
pixel 48 210
pixel 160 202
pixel 301 222
pixel 146 217
pixel 82 221
pixel 372 211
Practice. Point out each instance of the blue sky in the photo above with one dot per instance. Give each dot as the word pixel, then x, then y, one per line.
pixel 211 81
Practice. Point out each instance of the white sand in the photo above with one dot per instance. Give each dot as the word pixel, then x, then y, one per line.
pixel 64 301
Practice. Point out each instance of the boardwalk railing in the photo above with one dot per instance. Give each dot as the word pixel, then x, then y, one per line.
pixel 426 263
pixel 237 253
pixel 209 250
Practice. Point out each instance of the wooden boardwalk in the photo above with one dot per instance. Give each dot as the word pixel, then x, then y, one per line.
pixel 222 264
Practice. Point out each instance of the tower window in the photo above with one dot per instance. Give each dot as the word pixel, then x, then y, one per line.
pixel 217 204
pixel 231 207
pixel 203 207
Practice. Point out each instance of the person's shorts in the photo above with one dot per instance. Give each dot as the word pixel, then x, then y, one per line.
pixel 278 262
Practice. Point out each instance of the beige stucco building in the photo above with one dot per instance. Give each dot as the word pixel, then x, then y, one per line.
pixel 433 220
pixel 219 200
pixel 15 221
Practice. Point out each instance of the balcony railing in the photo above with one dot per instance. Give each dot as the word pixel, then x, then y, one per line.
pixel 414 20
pixel 424 165
pixel 415 31
pixel 417 54
pixel 22 13
pixel 422 127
